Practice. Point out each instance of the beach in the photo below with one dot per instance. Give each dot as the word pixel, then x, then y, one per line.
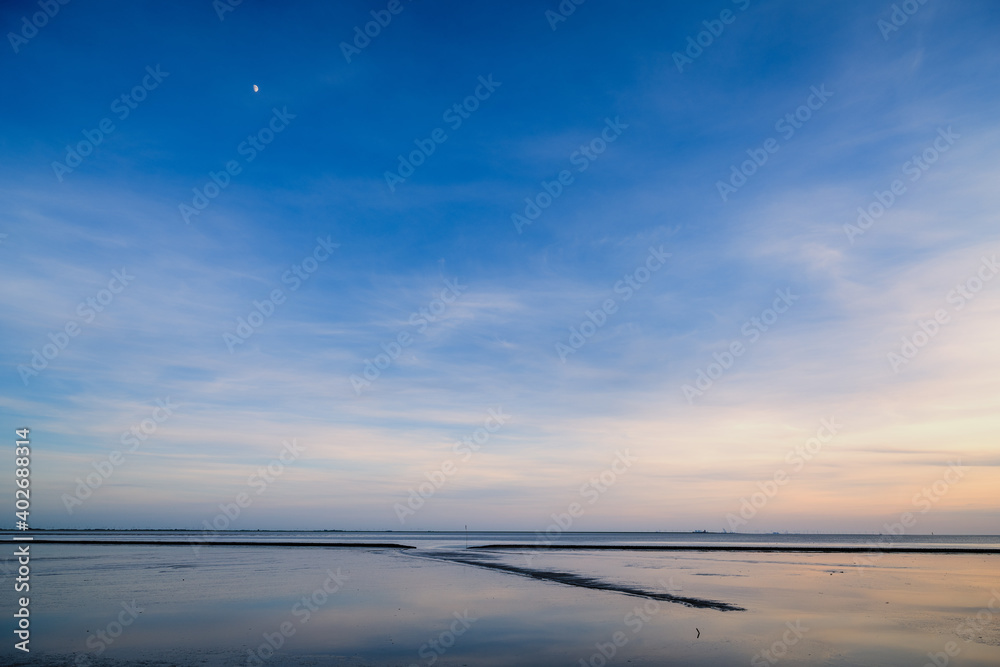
pixel 437 603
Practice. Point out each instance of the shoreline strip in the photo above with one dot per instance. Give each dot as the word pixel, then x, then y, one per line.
pixel 212 543
pixel 744 548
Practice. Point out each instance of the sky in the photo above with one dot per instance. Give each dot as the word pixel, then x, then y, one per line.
pixel 510 266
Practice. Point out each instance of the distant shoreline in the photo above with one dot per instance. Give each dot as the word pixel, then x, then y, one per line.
pixel 553 547
pixel 481 532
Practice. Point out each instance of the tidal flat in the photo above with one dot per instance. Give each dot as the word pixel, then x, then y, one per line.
pixel 157 604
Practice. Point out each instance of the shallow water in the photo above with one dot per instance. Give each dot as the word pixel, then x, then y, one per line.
pixel 459 539
pixel 215 606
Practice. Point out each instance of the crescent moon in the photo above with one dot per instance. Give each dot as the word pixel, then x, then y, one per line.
pixel 255 88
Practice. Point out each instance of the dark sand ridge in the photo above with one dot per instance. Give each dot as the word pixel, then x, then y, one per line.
pixel 570 579
pixel 198 542
pixel 762 549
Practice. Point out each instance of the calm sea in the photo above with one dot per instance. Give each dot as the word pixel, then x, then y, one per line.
pixel 457 539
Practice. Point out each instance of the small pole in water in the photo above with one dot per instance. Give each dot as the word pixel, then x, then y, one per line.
pixel 466 536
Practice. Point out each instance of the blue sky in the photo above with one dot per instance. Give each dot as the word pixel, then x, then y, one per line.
pixel 889 95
